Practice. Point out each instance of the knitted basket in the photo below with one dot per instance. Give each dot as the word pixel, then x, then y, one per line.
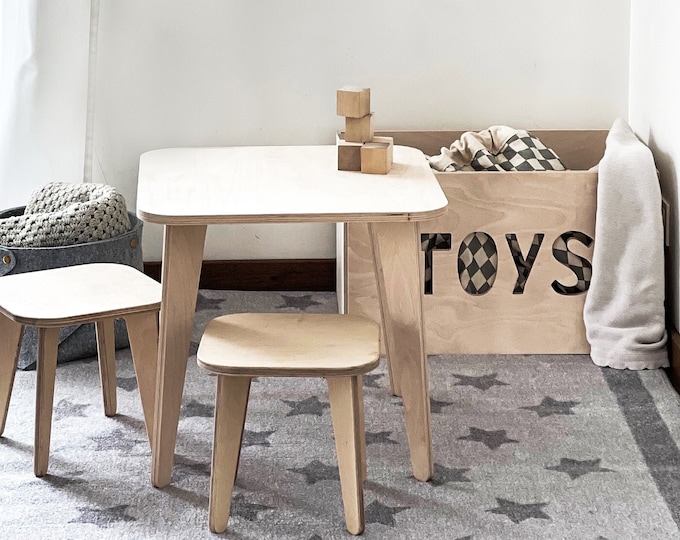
pixel 78 341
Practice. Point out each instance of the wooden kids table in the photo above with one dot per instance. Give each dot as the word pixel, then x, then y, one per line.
pixel 187 189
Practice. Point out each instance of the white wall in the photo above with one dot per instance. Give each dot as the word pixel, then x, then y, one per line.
pixel 215 72
pixel 655 105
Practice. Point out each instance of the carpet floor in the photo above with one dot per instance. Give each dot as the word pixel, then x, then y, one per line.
pixel 526 447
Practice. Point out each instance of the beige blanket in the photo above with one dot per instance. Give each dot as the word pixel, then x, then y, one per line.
pixel 624 308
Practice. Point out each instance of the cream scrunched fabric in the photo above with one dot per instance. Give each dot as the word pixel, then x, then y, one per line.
pixel 63 214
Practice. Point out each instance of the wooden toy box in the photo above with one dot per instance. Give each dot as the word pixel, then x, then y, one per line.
pixel 509 309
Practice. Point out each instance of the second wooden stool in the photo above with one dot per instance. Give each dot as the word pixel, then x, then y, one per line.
pixel 89 293
pixel 338 347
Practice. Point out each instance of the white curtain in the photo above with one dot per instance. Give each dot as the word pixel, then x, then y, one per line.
pixel 44 54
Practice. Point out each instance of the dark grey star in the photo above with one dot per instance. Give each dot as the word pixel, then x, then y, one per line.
pixel 197 409
pixel 316 471
pixel 443 475
pixel 437 406
pixel 115 440
pixel 104 517
pixel 492 439
pixel 247 510
pixel 315 537
pixel 310 405
pixel 371 380
pixel 66 408
pixel 550 406
pixel 298 302
pixel 379 437
pixel 483 382
pixel 203 302
pixel 468 537
pixel 517 512
pixel 256 438
pixel 575 468
pixel 379 513
pixel 128 384
pixel 185 468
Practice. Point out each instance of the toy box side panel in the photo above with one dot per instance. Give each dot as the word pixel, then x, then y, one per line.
pixel 554 211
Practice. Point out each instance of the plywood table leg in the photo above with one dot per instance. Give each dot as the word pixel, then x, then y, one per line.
pixel 10 344
pixel 395 248
pixel 392 367
pixel 182 256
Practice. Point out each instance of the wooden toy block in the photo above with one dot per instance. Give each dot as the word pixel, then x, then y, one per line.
pixel 359 130
pixel 376 156
pixel 353 102
pixel 349 154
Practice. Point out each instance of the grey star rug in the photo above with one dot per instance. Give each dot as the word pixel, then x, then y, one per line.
pixel 526 447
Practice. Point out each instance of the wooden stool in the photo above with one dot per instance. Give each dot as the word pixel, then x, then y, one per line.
pixel 50 299
pixel 338 347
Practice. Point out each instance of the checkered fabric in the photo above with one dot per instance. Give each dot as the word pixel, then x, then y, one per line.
pixel 477 263
pixel 523 265
pixel 580 266
pixel 521 152
pixel 430 243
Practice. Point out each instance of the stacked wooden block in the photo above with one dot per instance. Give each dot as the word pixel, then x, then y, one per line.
pixel 358 148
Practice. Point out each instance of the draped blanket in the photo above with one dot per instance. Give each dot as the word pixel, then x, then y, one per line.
pixel 624 308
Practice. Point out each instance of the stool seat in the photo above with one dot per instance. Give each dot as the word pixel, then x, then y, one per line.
pixel 340 348
pixel 76 294
pixel 289 345
pixel 95 293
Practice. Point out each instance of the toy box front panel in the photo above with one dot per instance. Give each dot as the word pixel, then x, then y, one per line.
pixel 504 271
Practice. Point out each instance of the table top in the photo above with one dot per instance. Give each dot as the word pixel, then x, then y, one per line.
pixel 284 184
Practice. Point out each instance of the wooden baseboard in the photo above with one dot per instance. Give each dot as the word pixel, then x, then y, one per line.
pixel 262 275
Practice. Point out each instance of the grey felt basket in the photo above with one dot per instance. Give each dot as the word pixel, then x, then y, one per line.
pixel 78 341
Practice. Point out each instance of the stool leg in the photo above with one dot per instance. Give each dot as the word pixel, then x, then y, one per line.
pixel 344 393
pixel 48 343
pixel 143 333
pixel 106 350
pixel 231 405
pixel 362 429
pixel 10 344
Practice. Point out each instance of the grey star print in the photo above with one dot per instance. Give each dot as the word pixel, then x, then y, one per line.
pixel 128 384
pixel 194 408
pixel 437 406
pixel 67 408
pixel 575 468
pixel 247 510
pixel 184 468
pixel 256 438
pixel 379 437
pixel 444 475
pixel 115 440
pixel 483 382
pixel 371 380
pixel 310 405
pixel 517 512
pixel 492 439
pixel 380 513
pixel 298 302
pixel 104 517
pixel 316 471
pixel 550 406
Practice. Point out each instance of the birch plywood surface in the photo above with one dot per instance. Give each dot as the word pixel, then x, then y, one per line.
pixel 539 320
pixel 201 186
